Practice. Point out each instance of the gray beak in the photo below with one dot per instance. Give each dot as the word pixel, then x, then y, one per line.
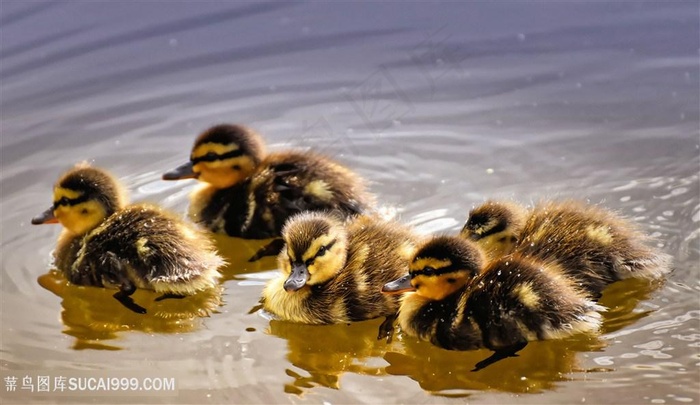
pixel 45 217
pixel 398 286
pixel 298 278
pixel 184 171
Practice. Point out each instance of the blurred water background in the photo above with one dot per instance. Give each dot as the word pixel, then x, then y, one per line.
pixel 441 105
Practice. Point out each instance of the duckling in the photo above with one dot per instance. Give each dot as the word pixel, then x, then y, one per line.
pixel 593 245
pixel 458 302
pixel 249 194
pixel 106 243
pixel 495 226
pixel 332 272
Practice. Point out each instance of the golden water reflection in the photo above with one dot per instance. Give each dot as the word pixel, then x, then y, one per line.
pixel 93 316
pixel 237 252
pixel 321 354
pixel 326 352
pixel 318 356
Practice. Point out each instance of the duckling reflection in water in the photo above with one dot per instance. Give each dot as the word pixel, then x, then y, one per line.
pixel 540 366
pixel 94 319
pixel 453 303
pixel 250 194
pixel 592 245
pixel 107 244
pixel 326 352
pixel 332 272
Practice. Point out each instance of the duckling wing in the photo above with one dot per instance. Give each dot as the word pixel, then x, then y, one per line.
pixel 593 246
pixel 516 300
pixel 292 182
pixel 160 251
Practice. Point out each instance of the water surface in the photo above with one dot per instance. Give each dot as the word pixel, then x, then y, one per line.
pixel 440 105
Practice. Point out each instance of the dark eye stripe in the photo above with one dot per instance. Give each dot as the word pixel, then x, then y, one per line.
pixel 434 272
pixel 472 226
pixel 65 201
pixel 210 157
pixel 321 251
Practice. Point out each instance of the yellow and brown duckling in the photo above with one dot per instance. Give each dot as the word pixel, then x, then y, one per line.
pixel 333 272
pixel 592 245
pixel 458 302
pixel 106 243
pixel 250 194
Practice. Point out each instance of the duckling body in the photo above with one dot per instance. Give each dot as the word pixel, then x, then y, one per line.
pixel 250 194
pixel 107 244
pixel 593 246
pixel 456 303
pixel 333 272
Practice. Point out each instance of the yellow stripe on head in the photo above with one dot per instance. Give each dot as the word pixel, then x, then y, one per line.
pixel 60 192
pixel 211 147
pixel 221 165
pixel 423 262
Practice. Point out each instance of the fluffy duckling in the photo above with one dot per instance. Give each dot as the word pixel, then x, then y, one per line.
pixel 332 272
pixel 594 246
pixel 107 244
pixel 249 194
pixel 456 303
pixel 495 226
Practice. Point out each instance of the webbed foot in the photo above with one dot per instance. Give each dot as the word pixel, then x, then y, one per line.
pixel 386 329
pixel 117 274
pixel 500 354
pixel 271 249
pixel 125 299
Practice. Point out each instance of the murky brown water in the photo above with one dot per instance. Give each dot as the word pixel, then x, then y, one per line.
pixel 440 105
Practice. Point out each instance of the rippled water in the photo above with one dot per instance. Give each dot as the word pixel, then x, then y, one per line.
pixel 440 105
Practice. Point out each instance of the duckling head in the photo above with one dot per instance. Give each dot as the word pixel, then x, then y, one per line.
pixel 495 226
pixel 315 249
pixel 441 266
pixel 82 198
pixel 223 156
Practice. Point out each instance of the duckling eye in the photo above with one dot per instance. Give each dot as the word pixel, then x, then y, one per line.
pixel 211 156
pixel 321 251
pixel 428 271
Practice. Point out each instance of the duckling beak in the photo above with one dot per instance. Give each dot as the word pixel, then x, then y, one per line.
pixel 399 286
pixel 45 217
pixel 298 278
pixel 184 171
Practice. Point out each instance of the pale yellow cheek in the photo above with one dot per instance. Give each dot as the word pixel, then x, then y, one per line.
pixel 437 288
pixel 72 218
pixel 221 174
pixel 325 268
pixel 221 177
